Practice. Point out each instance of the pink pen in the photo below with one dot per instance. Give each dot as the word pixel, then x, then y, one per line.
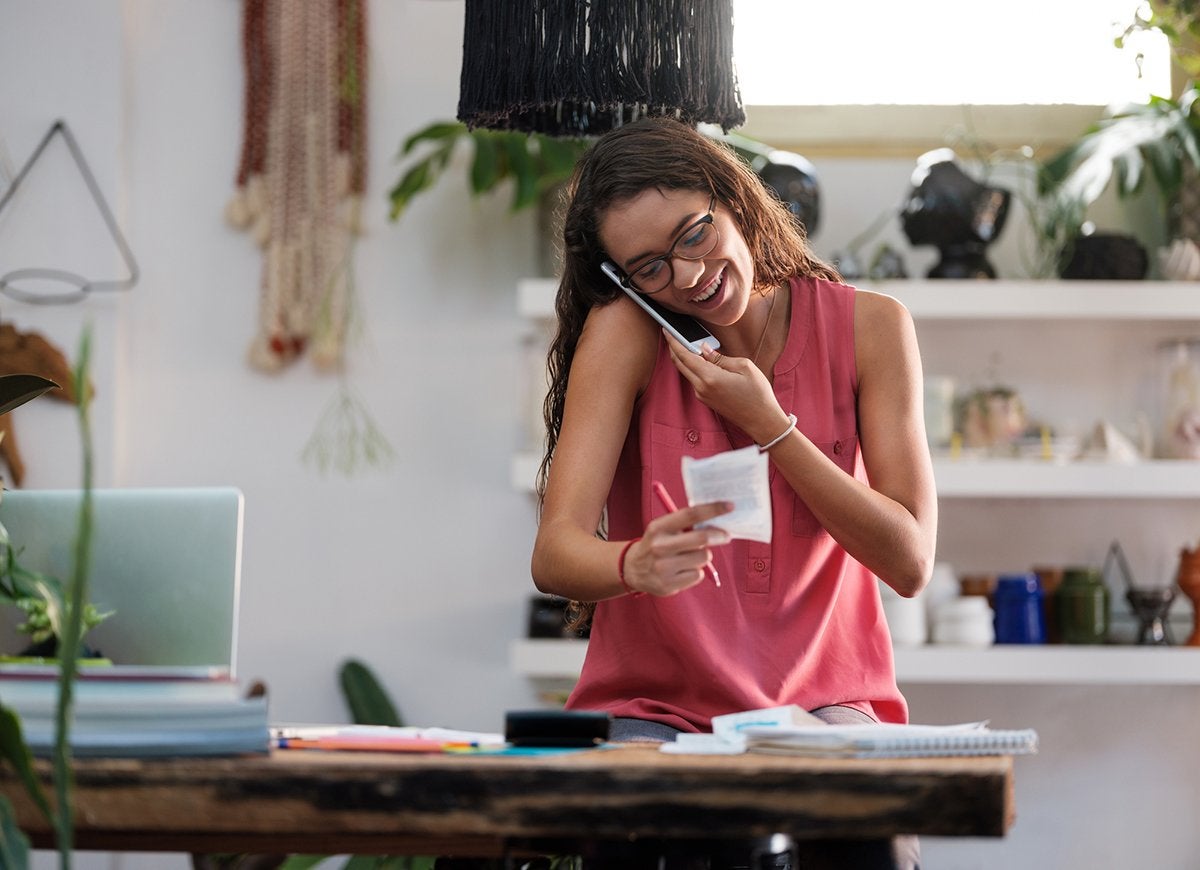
pixel 665 498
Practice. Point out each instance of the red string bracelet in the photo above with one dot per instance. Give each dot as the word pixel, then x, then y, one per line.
pixel 621 569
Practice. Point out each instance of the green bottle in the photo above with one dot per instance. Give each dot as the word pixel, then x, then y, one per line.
pixel 1083 606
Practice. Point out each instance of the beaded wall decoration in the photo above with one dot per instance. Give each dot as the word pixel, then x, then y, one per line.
pixel 302 171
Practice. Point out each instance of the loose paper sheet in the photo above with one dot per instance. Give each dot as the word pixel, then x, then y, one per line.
pixel 737 476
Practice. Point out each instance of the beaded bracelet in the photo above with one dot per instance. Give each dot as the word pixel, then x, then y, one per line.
pixel 621 569
pixel 791 425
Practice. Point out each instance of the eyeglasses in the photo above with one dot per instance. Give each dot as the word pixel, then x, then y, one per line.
pixel 694 243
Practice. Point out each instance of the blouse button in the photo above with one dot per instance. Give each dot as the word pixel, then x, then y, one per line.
pixel 693 436
pixel 759 565
pixel 837 446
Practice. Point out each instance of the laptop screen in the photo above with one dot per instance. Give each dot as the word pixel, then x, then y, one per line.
pixel 166 561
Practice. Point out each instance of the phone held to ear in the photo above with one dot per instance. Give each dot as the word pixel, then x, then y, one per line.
pixel 687 330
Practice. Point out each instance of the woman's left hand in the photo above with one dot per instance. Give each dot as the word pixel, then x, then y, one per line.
pixel 733 386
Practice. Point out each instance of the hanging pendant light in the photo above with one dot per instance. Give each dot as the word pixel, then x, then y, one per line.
pixel 581 67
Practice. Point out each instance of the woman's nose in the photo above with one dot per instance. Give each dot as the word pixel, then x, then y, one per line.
pixel 686 272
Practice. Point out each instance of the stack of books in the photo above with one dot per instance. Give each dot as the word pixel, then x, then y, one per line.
pixel 138 711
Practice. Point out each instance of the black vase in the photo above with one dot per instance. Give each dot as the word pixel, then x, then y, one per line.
pixel 1106 257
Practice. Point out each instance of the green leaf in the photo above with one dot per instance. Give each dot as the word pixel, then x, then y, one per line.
pixel 17 389
pixel 405 862
pixel 302 862
pixel 1166 166
pixel 559 156
pixel 1082 171
pixel 443 132
pixel 420 176
pixel 16 752
pixel 524 170
pixel 368 702
pixel 1129 168
pixel 14 845
pixel 69 636
pixel 485 168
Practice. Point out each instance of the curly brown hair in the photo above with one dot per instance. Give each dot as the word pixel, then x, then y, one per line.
pixel 662 154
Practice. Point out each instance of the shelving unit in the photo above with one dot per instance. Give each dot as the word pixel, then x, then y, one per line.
pixel 1163 494
pixel 1171 301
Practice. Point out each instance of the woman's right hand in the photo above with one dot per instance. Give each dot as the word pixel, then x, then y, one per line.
pixel 671 555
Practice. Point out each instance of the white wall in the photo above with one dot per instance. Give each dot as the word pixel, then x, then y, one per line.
pixel 420 569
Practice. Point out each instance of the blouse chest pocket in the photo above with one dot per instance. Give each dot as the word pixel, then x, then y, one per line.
pixel 843 452
pixel 669 444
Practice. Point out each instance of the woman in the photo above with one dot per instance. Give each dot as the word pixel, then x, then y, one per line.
pixel 795 621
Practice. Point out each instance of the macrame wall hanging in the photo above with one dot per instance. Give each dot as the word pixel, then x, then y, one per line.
pixel 300 184
pixel 580 67
pixel 303 170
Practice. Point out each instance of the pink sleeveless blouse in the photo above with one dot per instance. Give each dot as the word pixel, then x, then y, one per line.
pixel 795 621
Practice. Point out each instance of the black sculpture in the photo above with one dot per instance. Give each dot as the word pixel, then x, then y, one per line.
pixel 951 211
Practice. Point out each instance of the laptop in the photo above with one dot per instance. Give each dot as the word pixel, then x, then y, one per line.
pixel 166 561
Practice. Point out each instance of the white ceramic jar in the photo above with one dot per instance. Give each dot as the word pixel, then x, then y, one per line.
pixel 964 621
pixel 943 586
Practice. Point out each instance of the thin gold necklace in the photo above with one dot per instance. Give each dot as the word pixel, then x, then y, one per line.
pixel 762 338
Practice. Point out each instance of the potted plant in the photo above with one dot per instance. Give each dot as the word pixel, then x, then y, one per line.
pixel 69 609
pixel 1157 140
pixel 40 597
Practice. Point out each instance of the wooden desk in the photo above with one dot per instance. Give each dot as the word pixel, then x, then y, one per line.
pixel 333 803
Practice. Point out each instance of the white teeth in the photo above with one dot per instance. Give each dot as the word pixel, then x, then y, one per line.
pixel 711 292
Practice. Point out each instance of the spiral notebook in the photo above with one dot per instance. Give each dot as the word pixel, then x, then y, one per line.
pixel 884 740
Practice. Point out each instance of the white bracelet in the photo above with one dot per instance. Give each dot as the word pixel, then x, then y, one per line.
pixel 763 448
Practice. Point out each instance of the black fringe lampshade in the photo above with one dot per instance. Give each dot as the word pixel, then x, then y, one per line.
pixel 581 67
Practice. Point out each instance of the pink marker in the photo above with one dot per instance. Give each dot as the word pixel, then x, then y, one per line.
pixel 665 498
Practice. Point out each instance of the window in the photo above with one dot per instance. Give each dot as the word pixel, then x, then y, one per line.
pixel 939 56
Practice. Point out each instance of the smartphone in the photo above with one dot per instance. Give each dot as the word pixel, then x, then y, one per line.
pixel 687 330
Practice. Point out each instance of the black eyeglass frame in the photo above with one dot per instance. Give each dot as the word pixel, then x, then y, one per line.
pixel 627 279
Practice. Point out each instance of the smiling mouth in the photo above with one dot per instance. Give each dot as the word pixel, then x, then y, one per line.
pixel 711 290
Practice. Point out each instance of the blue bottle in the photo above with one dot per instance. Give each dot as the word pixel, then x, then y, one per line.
pixel 1018 604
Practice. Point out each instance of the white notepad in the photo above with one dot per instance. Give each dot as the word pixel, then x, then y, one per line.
pixel 886 740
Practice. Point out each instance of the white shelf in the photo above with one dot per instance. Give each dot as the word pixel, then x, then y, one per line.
pixel 995 300
pixel 1020 478
pixel 1051 665
pixel 1046 300
pixel 1015 665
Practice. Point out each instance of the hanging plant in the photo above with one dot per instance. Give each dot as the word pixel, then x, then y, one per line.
pixel 533 162
pixel 537 163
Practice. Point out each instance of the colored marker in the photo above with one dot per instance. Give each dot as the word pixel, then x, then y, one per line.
pixel 665 498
